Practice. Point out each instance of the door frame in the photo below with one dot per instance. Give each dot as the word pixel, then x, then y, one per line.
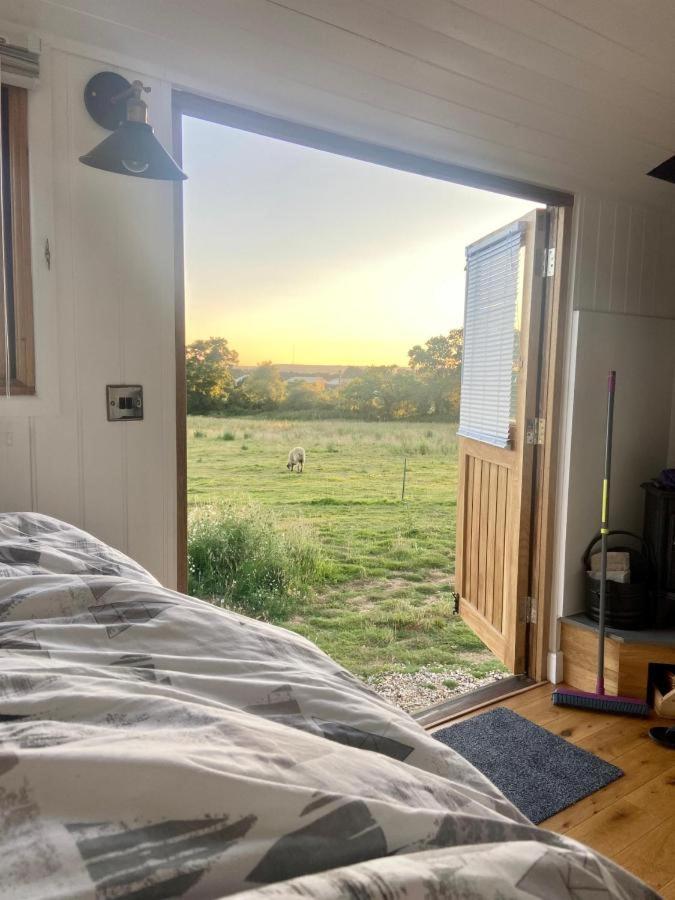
pixel 562 202
pixel 181 387
pixel 546 456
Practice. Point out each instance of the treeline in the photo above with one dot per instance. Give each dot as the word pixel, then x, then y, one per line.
pixel 428 388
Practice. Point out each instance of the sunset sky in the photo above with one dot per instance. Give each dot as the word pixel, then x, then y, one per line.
pixel 297 255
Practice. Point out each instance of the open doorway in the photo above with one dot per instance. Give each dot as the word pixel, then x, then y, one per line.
pixel 324 302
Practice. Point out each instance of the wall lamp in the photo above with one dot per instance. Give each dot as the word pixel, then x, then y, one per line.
pixel 132 148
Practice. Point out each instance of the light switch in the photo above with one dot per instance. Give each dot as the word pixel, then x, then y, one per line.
pixel 124 401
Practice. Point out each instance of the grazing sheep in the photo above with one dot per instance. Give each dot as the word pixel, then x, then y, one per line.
pixel 296 458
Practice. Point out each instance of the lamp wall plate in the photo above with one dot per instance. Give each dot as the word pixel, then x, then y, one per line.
pixel 124 401
pixel 98 99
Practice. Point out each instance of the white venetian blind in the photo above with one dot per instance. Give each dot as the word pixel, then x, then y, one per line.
pixel 20 65
pixel 490 323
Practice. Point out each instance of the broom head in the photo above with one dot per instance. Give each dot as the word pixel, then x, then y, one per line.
pixel 626 706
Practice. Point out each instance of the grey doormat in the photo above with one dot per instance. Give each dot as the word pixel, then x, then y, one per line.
pixel 539 772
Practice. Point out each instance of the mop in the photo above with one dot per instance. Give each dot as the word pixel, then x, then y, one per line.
pixel 599 700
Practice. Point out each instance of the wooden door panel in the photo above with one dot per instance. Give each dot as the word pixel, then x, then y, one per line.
pixel 488 550
pixel 494 639
pixel 486 488
pixel 494 490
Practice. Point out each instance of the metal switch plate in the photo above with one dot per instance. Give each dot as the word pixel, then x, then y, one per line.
pixel 124 401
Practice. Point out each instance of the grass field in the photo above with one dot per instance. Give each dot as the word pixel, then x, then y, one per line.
pixel 385 601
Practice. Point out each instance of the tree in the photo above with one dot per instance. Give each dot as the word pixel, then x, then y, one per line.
pixel 306 395
pixel 208 375
pixel 442 353
pixel 438 365
pixel 380 392
pixel 264 388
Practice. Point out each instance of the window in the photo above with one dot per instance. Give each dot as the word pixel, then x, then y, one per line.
pixel 17 352
pixel 492 313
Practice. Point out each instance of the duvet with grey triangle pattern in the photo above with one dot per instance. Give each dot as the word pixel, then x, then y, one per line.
pixel 154 746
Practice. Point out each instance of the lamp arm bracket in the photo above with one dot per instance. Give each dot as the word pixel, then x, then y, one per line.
pixel 134 90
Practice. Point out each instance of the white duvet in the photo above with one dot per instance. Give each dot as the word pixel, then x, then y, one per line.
pixel 154 746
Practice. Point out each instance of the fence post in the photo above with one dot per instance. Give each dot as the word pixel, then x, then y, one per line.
pixel 405 470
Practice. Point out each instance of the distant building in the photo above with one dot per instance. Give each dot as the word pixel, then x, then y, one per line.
pixel 307 379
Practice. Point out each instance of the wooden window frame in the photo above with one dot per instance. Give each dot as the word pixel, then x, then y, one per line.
pixel 551 353
pixel 17 246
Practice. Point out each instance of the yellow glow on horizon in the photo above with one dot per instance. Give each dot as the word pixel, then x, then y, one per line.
pixel 369 314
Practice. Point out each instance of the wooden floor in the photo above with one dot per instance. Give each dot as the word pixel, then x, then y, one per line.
pixel 632 820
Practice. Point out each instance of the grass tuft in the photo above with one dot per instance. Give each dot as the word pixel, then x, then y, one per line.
pixel 239 558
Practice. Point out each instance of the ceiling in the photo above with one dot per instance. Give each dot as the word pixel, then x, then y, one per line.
pixel 571 94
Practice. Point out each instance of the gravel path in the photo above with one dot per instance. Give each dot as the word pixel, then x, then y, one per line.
pixel 427 687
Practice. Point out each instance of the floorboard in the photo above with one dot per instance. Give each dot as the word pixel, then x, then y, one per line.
pixel 631 820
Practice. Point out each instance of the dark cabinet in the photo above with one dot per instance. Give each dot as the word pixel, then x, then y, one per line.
pixel 659 533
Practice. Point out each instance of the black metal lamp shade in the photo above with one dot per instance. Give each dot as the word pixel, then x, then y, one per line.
pixel 665 171
pixel 134 150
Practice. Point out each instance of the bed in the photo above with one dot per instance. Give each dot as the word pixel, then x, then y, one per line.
pixel 155 746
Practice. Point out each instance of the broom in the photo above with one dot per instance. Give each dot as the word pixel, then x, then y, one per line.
pixel 599 700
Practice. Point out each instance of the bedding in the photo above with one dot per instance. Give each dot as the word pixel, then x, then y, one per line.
pixel 155 746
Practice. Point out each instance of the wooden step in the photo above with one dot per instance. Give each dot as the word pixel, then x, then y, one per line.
pixel 627 656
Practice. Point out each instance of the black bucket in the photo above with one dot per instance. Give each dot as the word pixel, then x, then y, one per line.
pixel 628 605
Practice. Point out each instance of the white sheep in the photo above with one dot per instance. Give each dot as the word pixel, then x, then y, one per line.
pixel 296 458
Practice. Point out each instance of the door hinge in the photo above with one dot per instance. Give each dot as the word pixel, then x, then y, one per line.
pixel 536 430
pixel 549 262
pixel 530 611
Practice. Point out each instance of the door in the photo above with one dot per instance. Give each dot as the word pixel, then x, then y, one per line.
pixel 503 314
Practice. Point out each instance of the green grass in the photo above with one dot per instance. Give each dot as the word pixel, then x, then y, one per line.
pixel 378 594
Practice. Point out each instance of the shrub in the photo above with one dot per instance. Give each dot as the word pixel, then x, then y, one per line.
pixel 239 558
pixel 198 433
pixel 228 436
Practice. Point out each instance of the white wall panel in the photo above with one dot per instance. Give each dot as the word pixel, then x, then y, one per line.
pixel 112 252
pixel 622 259
pixel 57 444
pixel 16 487
pixel 641 350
